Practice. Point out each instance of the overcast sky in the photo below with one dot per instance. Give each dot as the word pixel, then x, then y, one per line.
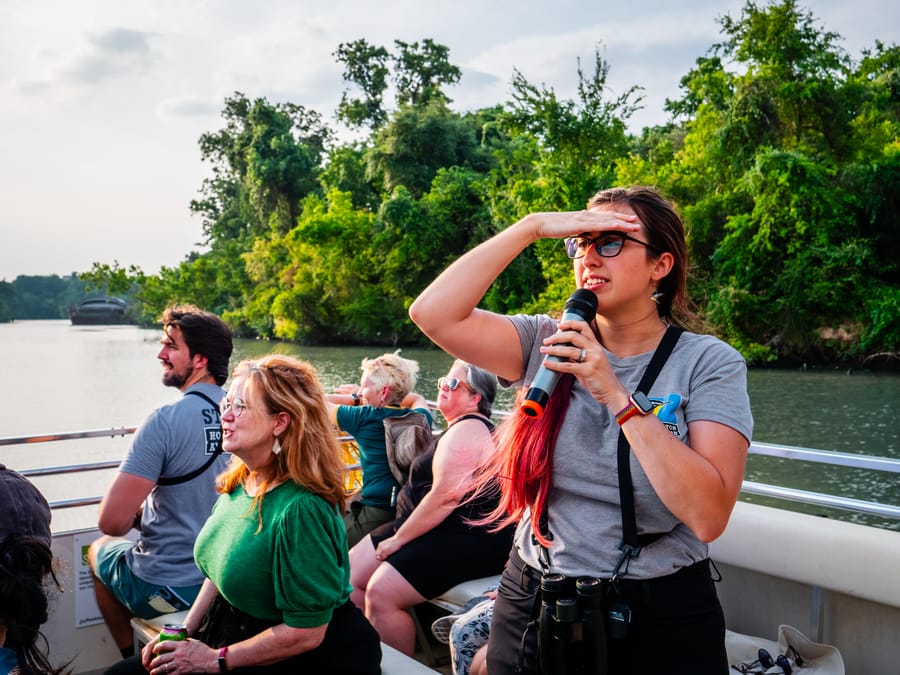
pixel 102 101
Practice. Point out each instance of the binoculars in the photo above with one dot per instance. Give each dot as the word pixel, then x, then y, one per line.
pixel 572 625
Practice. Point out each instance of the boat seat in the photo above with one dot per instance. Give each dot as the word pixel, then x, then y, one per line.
pixel 455 598
pixel 452 601
pixel 398 663
pixel 392 661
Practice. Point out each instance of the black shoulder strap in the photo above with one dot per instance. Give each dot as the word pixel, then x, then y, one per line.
pixel 473 416
pixel 194 392
pixel 178 480
pixel 631 542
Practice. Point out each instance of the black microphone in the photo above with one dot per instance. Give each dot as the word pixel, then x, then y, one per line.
pixel 581 305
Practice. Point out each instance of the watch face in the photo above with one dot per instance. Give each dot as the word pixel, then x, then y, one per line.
pixel 643 403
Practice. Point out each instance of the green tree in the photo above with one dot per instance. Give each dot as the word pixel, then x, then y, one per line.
pixel 264 162
pixel 789 96
pixel 345 171
pixel 7 298
pixel 210 280
pixel 409 150
pixel 45 297
pixel 112 279
pixel 330 289
pixel 560 152
pixel 578 140
pixel 365 66
pixel 782 153
pixel 421 72
pixel 765 173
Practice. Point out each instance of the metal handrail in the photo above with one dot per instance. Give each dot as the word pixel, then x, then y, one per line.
pixel 68 436
pixel 821 499
pixel 70 468
pixel 867 462
pixel 93 466
pixel 827 457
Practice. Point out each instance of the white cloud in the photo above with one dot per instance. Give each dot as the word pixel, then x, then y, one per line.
pixel 102 102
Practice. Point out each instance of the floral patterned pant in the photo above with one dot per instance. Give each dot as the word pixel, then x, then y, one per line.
pixel 470 632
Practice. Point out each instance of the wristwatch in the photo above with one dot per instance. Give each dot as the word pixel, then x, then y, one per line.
pixel 638 404
pixel 355 398
pixel 223 664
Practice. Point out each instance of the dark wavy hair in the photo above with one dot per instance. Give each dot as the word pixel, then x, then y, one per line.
pixel 26 569
pixel 665 232
pixel 205 334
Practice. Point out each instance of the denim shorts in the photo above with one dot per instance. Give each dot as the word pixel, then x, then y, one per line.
pixel 142 599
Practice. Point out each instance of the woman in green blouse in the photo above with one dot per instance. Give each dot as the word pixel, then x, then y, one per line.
pixel 274 550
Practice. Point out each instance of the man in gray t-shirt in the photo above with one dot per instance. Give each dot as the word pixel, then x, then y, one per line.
pixel 165 487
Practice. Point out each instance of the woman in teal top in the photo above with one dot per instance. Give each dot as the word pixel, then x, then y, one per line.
pixel 385 390
pixel 274 550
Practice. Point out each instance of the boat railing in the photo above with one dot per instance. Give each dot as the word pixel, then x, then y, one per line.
pixel 749 487
pixel 111 432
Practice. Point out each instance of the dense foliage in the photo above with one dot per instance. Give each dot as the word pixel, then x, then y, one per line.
pixel 783 154
pixel 51 296
pixel 40 297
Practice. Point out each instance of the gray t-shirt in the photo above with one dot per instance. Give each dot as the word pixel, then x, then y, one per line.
pixel 173 441
pixel 703 379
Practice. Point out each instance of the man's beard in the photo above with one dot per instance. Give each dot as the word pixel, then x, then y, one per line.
pixel 172 378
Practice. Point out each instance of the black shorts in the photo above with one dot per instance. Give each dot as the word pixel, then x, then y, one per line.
pixel 677 627
pixel 447 555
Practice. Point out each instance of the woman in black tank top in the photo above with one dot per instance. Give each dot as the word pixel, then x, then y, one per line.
pixel 432 544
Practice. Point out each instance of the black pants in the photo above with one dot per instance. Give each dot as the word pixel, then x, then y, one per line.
pixel 350 647
pixel 677 624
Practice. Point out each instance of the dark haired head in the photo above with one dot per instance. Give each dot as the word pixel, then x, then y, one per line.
pixel 23 509
pixel 483 383
pixel 26 563
pixel 204 333
pixel 664 230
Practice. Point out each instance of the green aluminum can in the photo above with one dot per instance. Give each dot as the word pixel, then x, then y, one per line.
pixel 173 631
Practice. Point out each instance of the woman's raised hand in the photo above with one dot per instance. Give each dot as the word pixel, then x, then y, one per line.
pixel 582 356
pixel 557 225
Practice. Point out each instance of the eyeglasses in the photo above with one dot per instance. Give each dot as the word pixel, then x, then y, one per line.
pixel 451 384
pixel 237 406
pixel 782 661
pixel 607 244
pixel 765 661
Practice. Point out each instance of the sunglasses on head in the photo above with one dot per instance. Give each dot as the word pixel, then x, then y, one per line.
pixel 451 384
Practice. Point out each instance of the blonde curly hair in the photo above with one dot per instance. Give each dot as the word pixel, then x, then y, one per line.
pixel 392 371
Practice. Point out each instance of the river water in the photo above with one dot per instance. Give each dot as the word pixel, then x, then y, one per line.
pixel 60 378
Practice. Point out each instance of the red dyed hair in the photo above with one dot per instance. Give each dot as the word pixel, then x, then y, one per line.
pixel 523 464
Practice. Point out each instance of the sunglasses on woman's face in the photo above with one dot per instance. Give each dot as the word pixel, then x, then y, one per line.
pixel 451 384
pixel 607 244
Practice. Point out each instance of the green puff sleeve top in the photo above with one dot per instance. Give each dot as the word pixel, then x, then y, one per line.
pixel 294 569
